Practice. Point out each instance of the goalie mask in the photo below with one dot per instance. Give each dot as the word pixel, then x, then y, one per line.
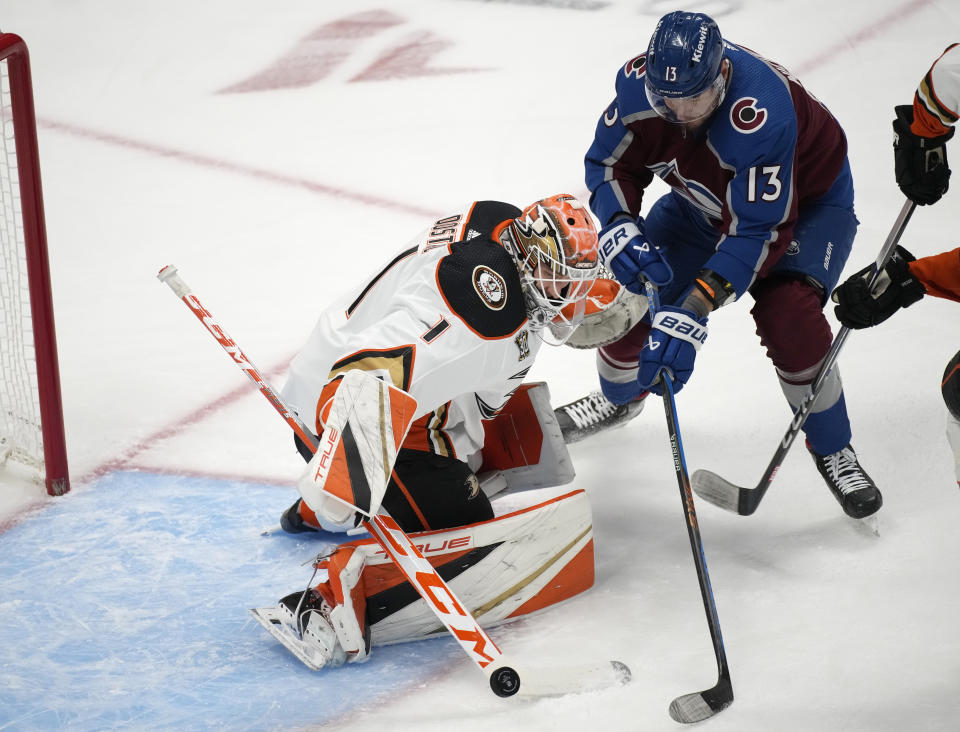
pixel 554 244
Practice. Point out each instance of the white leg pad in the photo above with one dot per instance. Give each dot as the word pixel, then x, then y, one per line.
pixel 343 618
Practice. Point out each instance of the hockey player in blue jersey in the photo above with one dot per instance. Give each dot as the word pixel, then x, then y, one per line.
pixel 761 203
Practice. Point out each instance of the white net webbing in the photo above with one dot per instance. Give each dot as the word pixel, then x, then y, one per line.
pixel 20 431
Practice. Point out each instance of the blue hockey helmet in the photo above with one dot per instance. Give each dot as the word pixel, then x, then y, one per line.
pixel 683 63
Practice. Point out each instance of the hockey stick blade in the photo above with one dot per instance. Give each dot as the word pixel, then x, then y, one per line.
pixel 702 705
pixel 745 501
pixel 721 492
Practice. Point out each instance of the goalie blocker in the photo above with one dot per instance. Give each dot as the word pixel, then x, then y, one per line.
pixel 502 568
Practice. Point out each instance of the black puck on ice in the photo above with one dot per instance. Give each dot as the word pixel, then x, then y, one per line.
pixel 505 681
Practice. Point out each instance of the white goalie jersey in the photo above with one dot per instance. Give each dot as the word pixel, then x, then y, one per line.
pixel 444 320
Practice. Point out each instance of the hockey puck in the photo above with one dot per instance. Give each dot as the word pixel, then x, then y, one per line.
pixel 505 681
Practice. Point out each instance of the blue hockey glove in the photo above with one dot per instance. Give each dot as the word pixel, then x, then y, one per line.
pixel 672 345
pixel 625 251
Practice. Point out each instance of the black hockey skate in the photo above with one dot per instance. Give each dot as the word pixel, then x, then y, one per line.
pixel 593 413
pixel 297 604
pixel 301 622
pixel 292 522
pixel 856 492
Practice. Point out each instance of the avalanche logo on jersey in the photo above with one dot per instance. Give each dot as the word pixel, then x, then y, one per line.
pixel 490 286
pixel 697 193
pixel 636 67
pixel 746 117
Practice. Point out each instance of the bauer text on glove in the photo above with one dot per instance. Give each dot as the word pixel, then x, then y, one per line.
pixel 672 346
pixel 625 251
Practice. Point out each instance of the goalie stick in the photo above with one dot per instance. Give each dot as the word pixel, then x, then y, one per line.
pixel 698 705
pixel 744 500
pixel 502 675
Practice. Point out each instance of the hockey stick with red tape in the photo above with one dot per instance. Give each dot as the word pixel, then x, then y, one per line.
pixel 502 675
pixel 745 500
pixel 698 705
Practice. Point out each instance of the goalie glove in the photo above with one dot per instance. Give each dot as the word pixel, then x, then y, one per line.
pixel 896 287
pixel 611 312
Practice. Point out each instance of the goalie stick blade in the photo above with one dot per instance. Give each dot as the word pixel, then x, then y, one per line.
pixel 562 679
pixel 721 492
pixel 702 705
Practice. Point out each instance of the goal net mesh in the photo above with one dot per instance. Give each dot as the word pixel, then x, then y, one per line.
pixel 20 427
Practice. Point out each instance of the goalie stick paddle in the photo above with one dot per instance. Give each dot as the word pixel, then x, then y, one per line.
pixel 698 705
pixel 501 674
pixel 744 500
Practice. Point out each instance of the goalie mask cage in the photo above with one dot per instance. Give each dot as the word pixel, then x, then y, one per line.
pixel 31 415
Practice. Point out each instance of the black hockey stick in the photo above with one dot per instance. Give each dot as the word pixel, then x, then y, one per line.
pixel 699 705
pixel 744 501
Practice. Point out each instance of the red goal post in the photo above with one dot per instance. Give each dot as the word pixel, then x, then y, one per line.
pixel 31 414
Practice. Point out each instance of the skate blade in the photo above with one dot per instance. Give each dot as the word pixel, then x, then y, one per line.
pixel 278 626
pixel 868 526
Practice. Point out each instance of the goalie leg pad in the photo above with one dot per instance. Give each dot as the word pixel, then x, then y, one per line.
pixel 348 615
pixel 502 569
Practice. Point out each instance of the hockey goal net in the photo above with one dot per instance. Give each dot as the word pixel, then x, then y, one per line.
pixel 31 418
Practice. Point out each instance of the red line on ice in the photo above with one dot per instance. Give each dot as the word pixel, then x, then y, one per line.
pixel 865 33
pixel 125 460
pixel 247 171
